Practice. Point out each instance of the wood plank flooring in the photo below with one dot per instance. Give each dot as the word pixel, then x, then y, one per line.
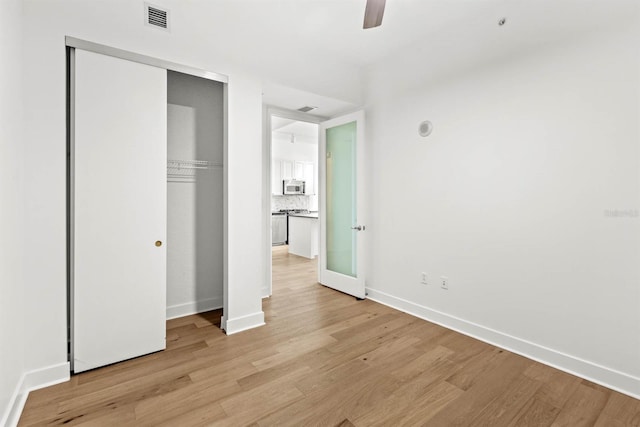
pixel 325 359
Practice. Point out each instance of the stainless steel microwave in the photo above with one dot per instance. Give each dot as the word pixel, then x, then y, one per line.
pixel 292 186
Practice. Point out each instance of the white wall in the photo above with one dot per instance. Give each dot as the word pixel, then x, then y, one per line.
pixel 282 148
pixel 243 224
pixel 195 118
pixel 510 197
pixel 11 224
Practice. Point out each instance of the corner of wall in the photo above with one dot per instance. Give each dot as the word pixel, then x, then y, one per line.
pixel 30 381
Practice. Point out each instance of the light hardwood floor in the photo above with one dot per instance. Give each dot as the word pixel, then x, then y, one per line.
pixel 325 359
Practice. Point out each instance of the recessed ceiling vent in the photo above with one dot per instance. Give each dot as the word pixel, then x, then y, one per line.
pixel 307 108
pixel 156 16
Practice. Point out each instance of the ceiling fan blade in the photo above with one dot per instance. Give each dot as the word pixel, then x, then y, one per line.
pixel 373 13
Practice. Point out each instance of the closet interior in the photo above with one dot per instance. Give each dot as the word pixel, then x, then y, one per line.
pixel 195 120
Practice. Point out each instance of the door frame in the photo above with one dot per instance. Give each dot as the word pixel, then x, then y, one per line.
pixel 71 44
pixel 267 112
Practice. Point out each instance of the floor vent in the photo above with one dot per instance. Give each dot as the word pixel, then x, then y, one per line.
pixel 156 16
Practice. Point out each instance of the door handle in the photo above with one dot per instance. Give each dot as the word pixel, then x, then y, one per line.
pixel 358 228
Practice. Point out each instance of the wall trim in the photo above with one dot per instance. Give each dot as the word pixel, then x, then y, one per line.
pixel 610 378
pixel 194 307
pixel 30 381
pixel 239 324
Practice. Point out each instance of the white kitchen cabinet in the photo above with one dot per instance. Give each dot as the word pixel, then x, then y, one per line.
pixel 309 177
pixel 303 236
pixel 298 170
pixel 287 169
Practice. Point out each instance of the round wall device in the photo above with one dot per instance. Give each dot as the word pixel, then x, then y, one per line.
pixel 425 128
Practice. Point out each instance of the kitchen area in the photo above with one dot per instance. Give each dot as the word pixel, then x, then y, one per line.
pixel 294 186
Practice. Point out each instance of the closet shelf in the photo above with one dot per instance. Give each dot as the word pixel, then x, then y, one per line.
pixel 186 169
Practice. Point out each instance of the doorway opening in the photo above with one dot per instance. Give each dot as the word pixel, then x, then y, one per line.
pixel 323 200
pixel 292 149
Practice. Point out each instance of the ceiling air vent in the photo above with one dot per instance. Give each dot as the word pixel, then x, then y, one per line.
pixel 156 16
pixel 307 109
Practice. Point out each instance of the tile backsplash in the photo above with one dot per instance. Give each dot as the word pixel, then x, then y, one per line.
pixel 289 202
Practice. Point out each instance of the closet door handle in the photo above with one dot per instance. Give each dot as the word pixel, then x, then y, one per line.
pixel 158 243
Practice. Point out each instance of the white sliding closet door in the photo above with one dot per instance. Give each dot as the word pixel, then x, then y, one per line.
pixel 119 210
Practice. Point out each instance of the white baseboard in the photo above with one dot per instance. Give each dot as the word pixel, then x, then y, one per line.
pixel 193 307
pixel 239 324
pixel 29 381
pixel 619 381
pixel 12 413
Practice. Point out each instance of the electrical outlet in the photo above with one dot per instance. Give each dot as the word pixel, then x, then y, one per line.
pixel 444 282
pixel 424 279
